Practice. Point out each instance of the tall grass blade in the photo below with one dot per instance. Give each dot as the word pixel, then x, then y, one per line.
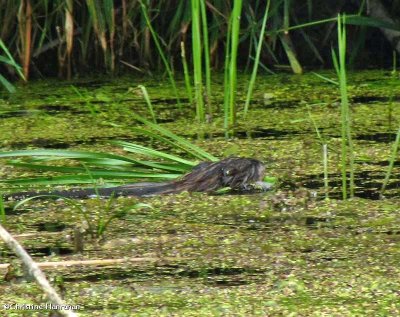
pixel 148 102
pixel 392 160
pixel 2 210
pixel 6 84
pixel 347 143
pixel 230 76
pixel 197 60
pixel 139 149
pixel 10 60
pixel 325 163
pixel 226 79
pixel 69 33
pixel 334 82
pixel 25 34
pixel 109 17
pixel 160 52
pixel 108 172
pixel 235 29
pixel 170 142
pixel 291 54
pixel 186 74
pixel 207 66
pixel 197 151
pixel 99 25
pixel 257 59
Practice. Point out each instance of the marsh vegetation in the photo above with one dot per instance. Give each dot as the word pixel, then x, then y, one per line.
pixel 144 98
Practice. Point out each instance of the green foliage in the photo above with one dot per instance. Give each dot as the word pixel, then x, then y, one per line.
pixel 110 168
pixel 2 210
pixel 392 159
pixel 231 66
pixel 160 51
pixel 9 60
pixel 347 143
pixel 96 222
pixel 197 60
pixel 257 59
pixel 94 33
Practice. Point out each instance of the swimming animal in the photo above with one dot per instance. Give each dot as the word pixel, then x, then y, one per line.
pixel 236 173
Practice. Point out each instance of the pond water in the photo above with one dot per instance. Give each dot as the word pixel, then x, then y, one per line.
pixel 287 251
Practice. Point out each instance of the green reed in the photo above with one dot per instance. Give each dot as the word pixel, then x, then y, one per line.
pixel 2 210
pixel 197 60
pixel 231 58
pixel 186 74
pixel 325 164
pixel 347 151
pixel 9 60
pixel 393 156
pixel 148 102
pixel 226 81
pixel 160 52
pixel 257 59
pixel 103 34
pixel 207 63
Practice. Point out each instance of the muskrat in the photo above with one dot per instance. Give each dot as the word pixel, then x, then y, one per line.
pixel 236 173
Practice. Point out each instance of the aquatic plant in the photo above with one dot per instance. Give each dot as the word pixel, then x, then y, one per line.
pixel 206 44
pixel 148 102
pixel 256 60
pixel 9 60
pixel 186 74
pixel 104 34
pixel 324 144
pixel 96 223
pixel 93 109
pixel 392 159
pixel 107 168
pixel 346 139
pixel 325 164
pixel 2 210
pixel 160 51
pixel 146 35
pixel 197 60
pixel 231 66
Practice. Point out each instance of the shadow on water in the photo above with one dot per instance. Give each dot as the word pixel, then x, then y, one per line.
pixel 272 104
pixel 10 211
pixel 169 101
pixel 46 251
pixel 218 276
pixel 266 134
pixel 43 251
pixel 55 109
pixel 57 144
pixel 367 184
pixel 43 109
pixel 373 99
pixel 50 226
pixel 377 137
pixel 259 133
pixel 82 108
pixel 43 143
pixel 17 113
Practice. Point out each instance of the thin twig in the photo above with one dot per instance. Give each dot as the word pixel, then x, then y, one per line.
pixel 35 272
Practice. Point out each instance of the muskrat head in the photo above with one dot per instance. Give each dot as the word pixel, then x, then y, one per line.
pixel 237 173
